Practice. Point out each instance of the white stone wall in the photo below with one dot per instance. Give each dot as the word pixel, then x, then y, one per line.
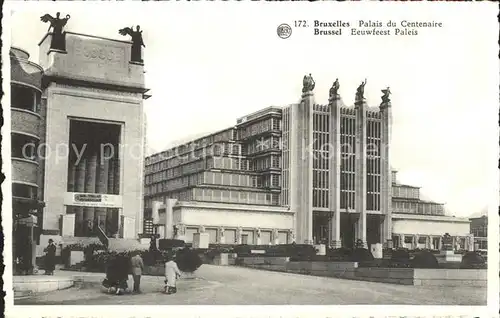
pixel 231 218
pixel 428 225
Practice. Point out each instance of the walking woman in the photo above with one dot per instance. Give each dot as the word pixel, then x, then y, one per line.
pixel 172 272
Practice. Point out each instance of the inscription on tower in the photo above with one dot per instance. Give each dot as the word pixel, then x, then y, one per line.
pixel 90 52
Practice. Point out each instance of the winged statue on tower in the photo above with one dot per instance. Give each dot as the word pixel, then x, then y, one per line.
pixel 137 42
pixel 57 24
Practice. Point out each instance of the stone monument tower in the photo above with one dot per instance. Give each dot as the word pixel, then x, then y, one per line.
pixel 301 161
pixel 94 139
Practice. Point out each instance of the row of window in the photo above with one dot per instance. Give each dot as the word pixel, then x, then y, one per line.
pixel 262 144
pixel 24 191
pixel 260 127
pixel 321 123
pixel 373 129
pixel 24 97
pixel 235 196
pixel 372 183
pixel 157 160
pixel 418 207
pixel 217 149
pixel 24 147
pixel 405 192
pixel 321 179
pixel 264 163
pixel 480 231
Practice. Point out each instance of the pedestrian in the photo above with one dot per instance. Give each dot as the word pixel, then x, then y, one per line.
pixel 137 266
pixel 50 258
pixel 172 272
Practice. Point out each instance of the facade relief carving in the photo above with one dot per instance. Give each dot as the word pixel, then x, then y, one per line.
pixel 80 91
pixel 112 56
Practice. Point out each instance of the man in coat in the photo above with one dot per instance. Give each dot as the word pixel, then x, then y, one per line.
pixel 137 266
pixel 50 258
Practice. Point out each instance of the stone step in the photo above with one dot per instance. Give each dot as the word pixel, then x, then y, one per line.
pixel 21 294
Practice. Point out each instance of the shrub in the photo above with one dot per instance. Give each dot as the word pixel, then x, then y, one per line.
pixel 424 259
pixel 361 255
pixel 340 254
pixel 472 260
pixel 188 260
pixel 165 244
pixel 400 258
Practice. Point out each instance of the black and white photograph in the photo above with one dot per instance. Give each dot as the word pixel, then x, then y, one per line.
pixel 329 159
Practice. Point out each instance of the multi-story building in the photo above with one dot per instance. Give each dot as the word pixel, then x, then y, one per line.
pixel 27 128
pixel 305 172
pixel 479 228
pixel 234 170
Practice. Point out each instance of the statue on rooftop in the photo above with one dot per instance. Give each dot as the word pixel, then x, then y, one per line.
pixel 385 98
pixel 308 83
pixel 335 89
pixel 360 93
pixel 57 24
pixel 137 42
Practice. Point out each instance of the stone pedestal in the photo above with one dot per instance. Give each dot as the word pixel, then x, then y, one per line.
pixel 258 241
pixel 75 257
pixel 200 240
pixel 449 257
pixel 128 225
pixel 222 259
pixel 68 224
pixel 321 249
pixel 376 250
pixel 222 239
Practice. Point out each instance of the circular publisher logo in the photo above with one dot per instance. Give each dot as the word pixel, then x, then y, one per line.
pixel 284 31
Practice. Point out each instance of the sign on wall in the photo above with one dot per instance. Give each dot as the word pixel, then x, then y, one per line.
pixel 96 200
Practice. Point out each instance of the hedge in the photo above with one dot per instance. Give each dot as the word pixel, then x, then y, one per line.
pixel 472 260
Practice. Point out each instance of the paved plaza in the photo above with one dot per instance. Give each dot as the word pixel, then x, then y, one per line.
pixel 227 285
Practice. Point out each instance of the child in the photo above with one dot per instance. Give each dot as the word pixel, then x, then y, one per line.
pixel 172 272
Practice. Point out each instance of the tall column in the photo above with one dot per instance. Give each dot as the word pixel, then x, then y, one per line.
pixel 112 216
pixel 71 188
pixel 71 176
pixel 360 160
pixel 386 173
pixel 402 241
pixel 102 185
pixel 81 171
pixel 301 159
pixel 334 171
pixel 90 183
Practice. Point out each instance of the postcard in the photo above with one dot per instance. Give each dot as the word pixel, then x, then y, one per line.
pixel 250 159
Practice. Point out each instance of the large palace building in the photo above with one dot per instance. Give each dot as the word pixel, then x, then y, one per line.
pixel 306 172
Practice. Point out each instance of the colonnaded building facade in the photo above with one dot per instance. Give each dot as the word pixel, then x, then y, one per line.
pixel 77 141
pixel 306 173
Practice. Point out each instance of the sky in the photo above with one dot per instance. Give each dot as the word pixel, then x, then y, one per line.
pixel 208 64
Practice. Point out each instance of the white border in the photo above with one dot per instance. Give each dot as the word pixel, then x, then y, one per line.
pixel 491 310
